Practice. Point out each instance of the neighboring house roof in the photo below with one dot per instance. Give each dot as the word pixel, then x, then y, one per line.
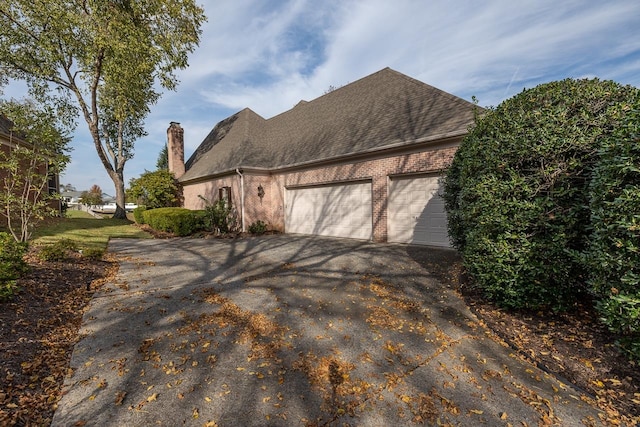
pixel 386 109
pixel 71 194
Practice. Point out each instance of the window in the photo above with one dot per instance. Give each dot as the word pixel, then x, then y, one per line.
pixel 224 193
pixel 52 183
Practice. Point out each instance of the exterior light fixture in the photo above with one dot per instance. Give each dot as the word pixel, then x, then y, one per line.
pixel 260 192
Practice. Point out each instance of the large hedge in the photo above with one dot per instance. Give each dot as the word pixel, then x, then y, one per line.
pixel 614 253
pixel 517 192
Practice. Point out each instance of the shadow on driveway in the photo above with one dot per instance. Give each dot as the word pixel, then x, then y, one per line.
pixel 291 330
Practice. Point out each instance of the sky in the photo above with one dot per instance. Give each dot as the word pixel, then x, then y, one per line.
pixel 268 55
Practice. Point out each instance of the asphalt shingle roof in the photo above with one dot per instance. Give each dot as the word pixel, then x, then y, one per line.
pixel 376 112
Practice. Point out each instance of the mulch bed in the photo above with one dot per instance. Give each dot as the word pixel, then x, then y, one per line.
pixel 39 328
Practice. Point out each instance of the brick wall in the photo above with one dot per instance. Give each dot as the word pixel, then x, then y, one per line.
pixel 270 208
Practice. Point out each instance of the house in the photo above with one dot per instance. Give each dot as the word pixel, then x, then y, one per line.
pixel 362 161
pixel 9 140
pixel 72 199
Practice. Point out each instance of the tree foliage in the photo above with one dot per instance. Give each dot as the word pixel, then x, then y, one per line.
pixel 517 191
pixel 157 189
pixel 163 159
pixel 113 57
pixel 92 197
pixel 36 152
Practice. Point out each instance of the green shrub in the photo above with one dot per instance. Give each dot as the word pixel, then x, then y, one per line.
pixel 179 221
pixel 257 227
pixel 517 191
pixel 220 217
pixel 58 251
pixel 614 253
pixel 137 214
pixel 12 264
pixel 93 253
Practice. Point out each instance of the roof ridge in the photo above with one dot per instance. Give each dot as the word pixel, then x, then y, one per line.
pixel 440 92
pixel 368 114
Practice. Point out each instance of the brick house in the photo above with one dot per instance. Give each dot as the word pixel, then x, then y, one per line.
pixel 8 141
pixel 362 161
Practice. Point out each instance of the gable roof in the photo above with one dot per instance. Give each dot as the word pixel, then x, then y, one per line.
pixel 386 109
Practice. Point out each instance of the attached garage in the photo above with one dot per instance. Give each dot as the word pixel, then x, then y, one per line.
pixel 416 212
pixel 343 210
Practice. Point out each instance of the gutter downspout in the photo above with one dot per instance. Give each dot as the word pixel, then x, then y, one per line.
pixel 239 172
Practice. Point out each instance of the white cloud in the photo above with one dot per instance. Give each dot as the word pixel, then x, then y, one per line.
pixel 268 55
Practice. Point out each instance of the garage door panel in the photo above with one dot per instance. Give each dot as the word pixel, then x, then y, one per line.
pixel 416 212
pixel 343 210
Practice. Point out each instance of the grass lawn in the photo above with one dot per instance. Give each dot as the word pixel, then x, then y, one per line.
pixel 88 232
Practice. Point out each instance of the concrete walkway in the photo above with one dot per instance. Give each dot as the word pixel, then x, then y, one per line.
pixel 288 330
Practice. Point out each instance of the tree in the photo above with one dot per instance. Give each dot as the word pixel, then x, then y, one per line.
pixel 517 192
pixel 157 189
pixel 93 197
pixel 111 56
pixel 163 159
pixel 37 151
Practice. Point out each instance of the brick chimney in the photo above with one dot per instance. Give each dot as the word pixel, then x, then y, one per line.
pixel 175 145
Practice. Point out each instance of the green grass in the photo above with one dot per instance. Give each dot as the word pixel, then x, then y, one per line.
pixel 88 232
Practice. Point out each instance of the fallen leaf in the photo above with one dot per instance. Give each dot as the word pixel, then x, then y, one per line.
pixel 153 397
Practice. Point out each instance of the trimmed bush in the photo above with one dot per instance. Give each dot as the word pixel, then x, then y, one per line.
pixel 517 192
pixel 12 264
pixel 179 221
pixel 137 214
pixel 258 227
pixel 58 251
pixel 614 254
pixel 93 254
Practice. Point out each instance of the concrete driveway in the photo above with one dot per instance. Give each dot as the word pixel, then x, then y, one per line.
pixel 287 330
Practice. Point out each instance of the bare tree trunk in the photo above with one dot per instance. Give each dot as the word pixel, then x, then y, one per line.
pixel 118 180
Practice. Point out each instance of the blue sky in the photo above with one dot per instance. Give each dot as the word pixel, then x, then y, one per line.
pixel 268 55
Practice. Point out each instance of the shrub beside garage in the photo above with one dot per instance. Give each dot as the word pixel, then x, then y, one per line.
pixel 534 191
pixel 180 221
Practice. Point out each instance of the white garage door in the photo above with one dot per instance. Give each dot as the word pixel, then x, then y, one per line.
pixel 343 210
pixel 416 212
